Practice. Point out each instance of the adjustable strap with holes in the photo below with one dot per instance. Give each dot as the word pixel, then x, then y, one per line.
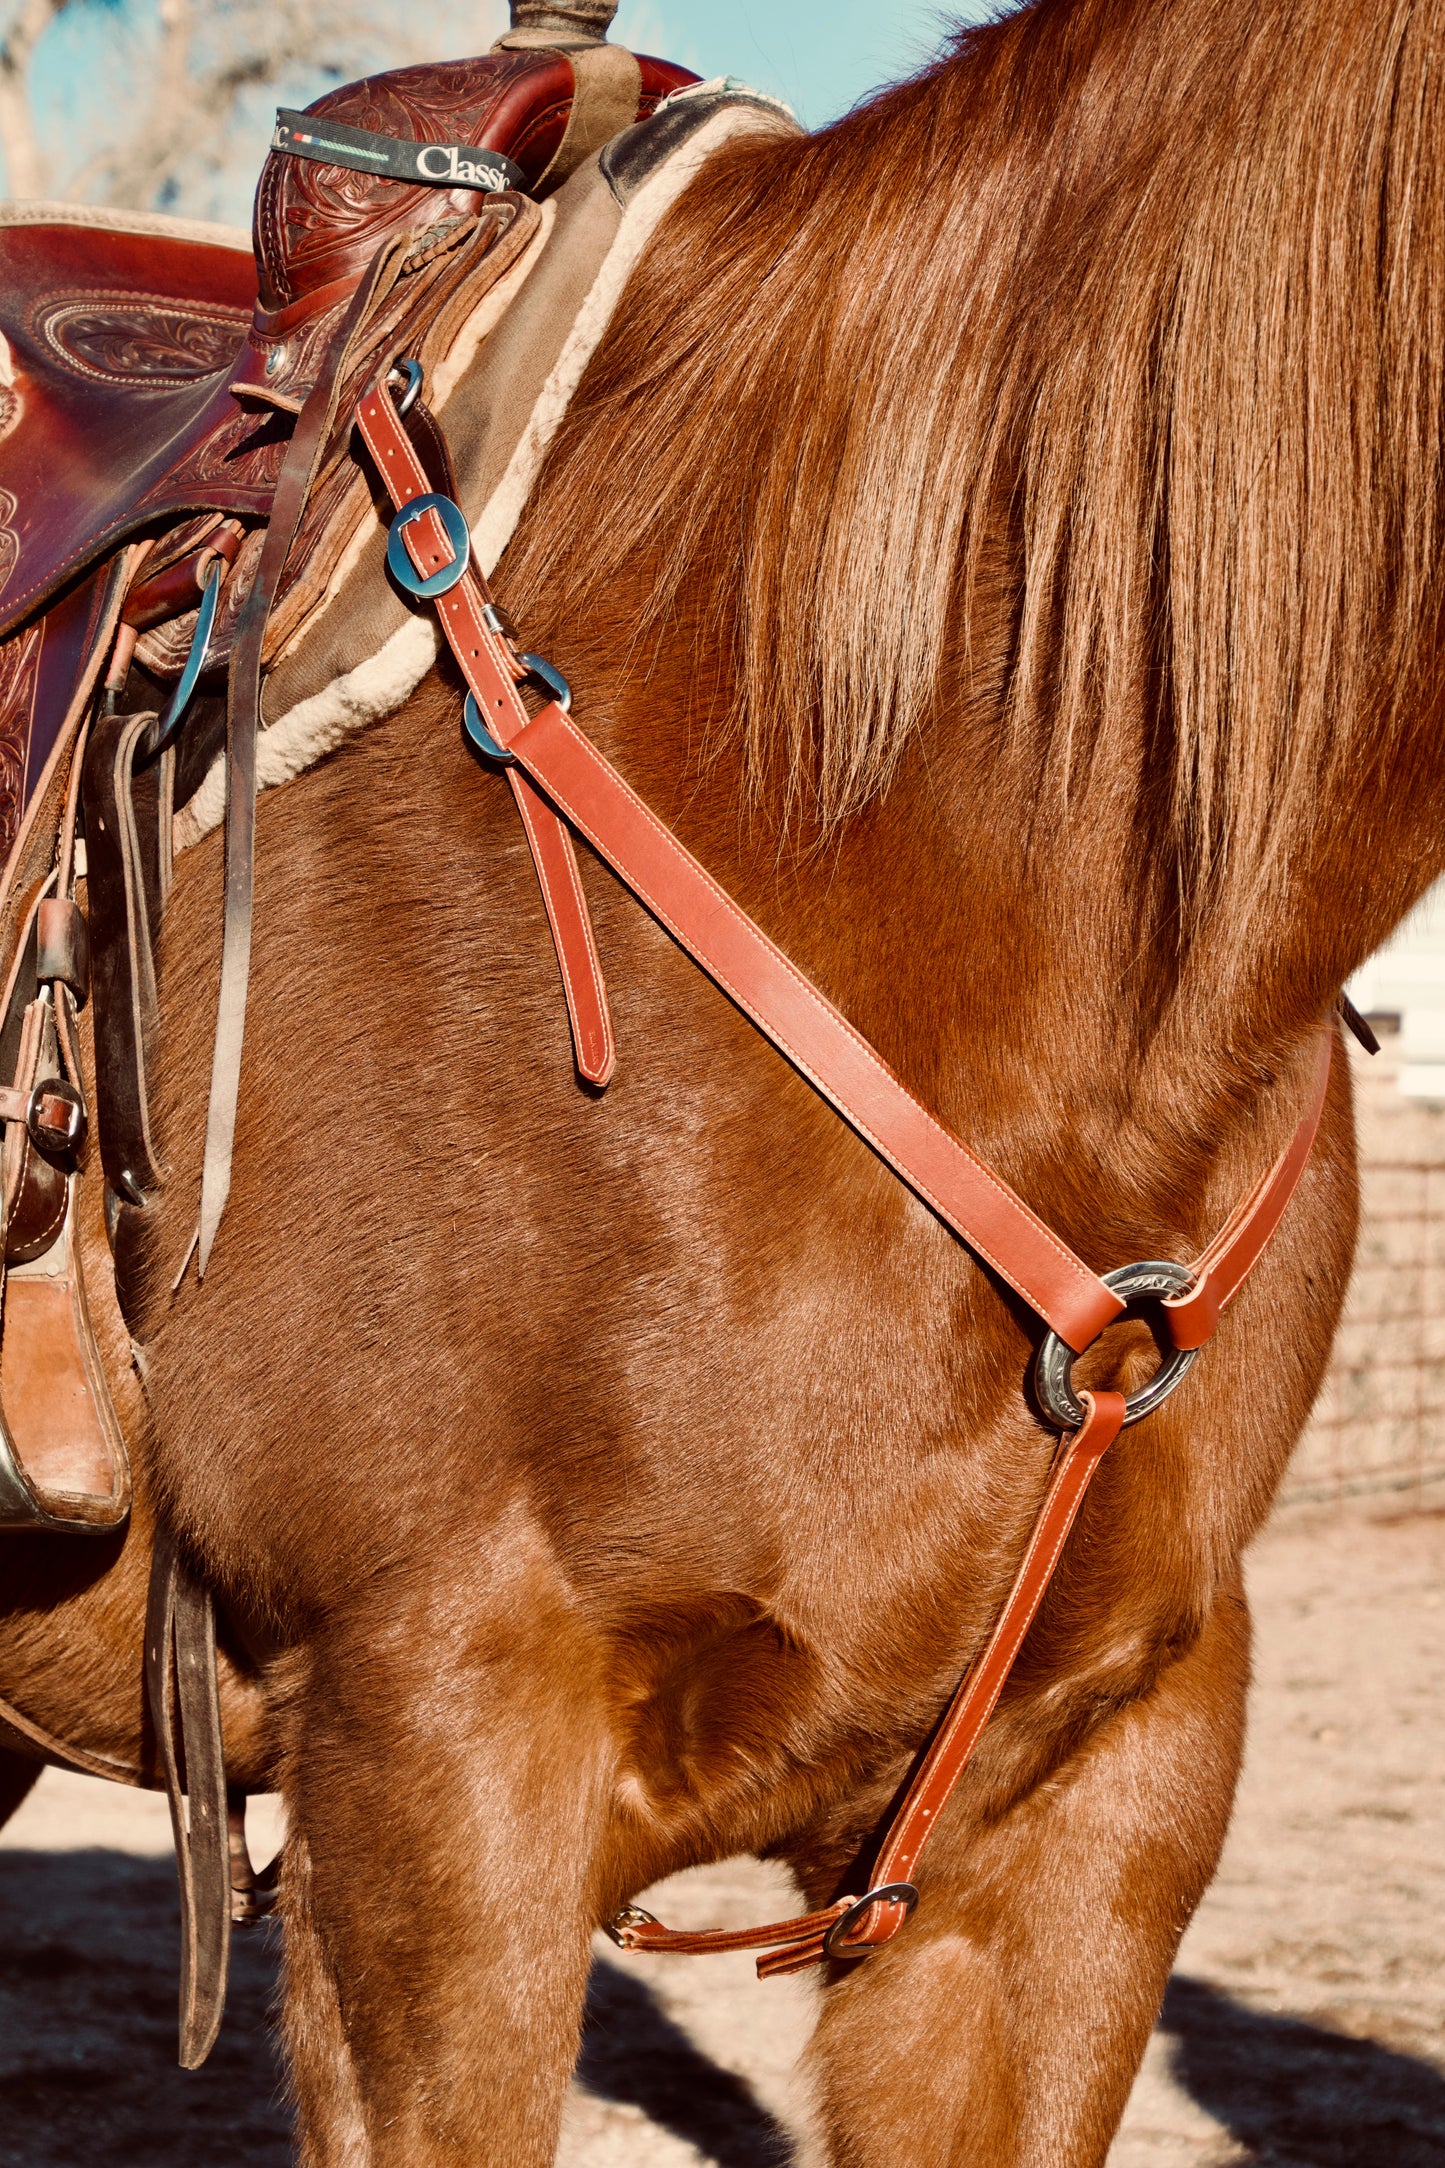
pixel 1074 1302
pixel 182 1694
pixel 427 553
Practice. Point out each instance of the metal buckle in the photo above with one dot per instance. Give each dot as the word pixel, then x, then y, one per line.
pixel 481 737
pixel 544 678
pixel 548 680
pixel 1054 1368
pixel 629 1916
pixel 887 1893
pixel 55 1096
pixel 428 586
pixel 412 371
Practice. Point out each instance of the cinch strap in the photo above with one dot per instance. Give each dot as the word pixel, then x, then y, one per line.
pixel 396 158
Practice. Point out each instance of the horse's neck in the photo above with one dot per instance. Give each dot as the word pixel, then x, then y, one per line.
pixel 1188 735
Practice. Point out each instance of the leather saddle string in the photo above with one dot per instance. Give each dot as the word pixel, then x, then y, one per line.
pixel 796 1017
pixel 243 717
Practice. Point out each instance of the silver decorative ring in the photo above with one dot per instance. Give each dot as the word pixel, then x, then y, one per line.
pixel 1152 1279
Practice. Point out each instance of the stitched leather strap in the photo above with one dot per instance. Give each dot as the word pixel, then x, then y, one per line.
pixel 981 1209
pixel 785 1005
pixel 1222 1269
pixel 585 991
pixel 583 986
pixel 800 1942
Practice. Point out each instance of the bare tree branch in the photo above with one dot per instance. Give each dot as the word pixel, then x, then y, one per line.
pixel 25 164
pixel 186 83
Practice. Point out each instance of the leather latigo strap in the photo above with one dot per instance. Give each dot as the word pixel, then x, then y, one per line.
pixel 184 1702
pixel 243 714
pixel 1062 1290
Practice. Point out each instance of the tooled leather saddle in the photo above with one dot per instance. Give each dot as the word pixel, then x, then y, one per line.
pixel 151 379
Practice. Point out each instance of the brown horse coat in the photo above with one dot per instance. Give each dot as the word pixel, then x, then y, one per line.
pixel 1000 535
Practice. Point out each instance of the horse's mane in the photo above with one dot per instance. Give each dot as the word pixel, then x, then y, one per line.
pixel 1104 359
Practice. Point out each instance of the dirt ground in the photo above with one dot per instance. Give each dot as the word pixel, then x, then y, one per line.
pixel 1305 2027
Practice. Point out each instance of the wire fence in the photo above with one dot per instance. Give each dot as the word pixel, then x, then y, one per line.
pixel 1379 1423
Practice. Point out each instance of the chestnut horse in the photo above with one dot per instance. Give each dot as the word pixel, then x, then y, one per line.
pixel 1002 535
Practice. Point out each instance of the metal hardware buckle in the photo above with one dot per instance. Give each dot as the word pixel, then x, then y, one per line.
pixel 1054 1367
pixel 544 678
pixel 412 371
pixel 548 680
pixel 55 1117
pixel 629 1916
pixel 889 1893
pixel 427 586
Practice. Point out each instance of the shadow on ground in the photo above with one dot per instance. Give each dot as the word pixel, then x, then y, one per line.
pixel 632 2051
pixel 88 1958
pixel 88 2030
pixel 1298 2095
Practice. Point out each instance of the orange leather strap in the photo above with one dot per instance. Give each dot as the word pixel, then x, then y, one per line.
pixel 795 1944
pixel 785 1005
pixel 1072 1300
pixel 583 986
pixel 1221 1270
pixel 430 550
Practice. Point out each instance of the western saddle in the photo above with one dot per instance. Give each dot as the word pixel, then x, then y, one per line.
pixel 151 380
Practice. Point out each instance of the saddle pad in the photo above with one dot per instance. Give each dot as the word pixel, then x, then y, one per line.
pixel 117 333
pixel 504 388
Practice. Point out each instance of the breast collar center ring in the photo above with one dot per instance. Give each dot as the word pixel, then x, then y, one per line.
pixel 1054 1368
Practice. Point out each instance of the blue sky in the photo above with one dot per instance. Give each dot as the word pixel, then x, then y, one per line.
pixel 821 55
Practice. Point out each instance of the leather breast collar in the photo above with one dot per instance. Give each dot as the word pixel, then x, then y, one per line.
pixel 558 776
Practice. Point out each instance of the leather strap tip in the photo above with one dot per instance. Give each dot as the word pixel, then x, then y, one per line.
pixel 596 1065
pixel 799 1958
pixel 1192 1317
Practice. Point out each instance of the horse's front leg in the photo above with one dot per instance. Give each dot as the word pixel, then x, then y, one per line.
pixel 444 1809
pixel 1004 2027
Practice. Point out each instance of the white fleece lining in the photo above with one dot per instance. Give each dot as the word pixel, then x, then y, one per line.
pixel 380 684
pixel 487 314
